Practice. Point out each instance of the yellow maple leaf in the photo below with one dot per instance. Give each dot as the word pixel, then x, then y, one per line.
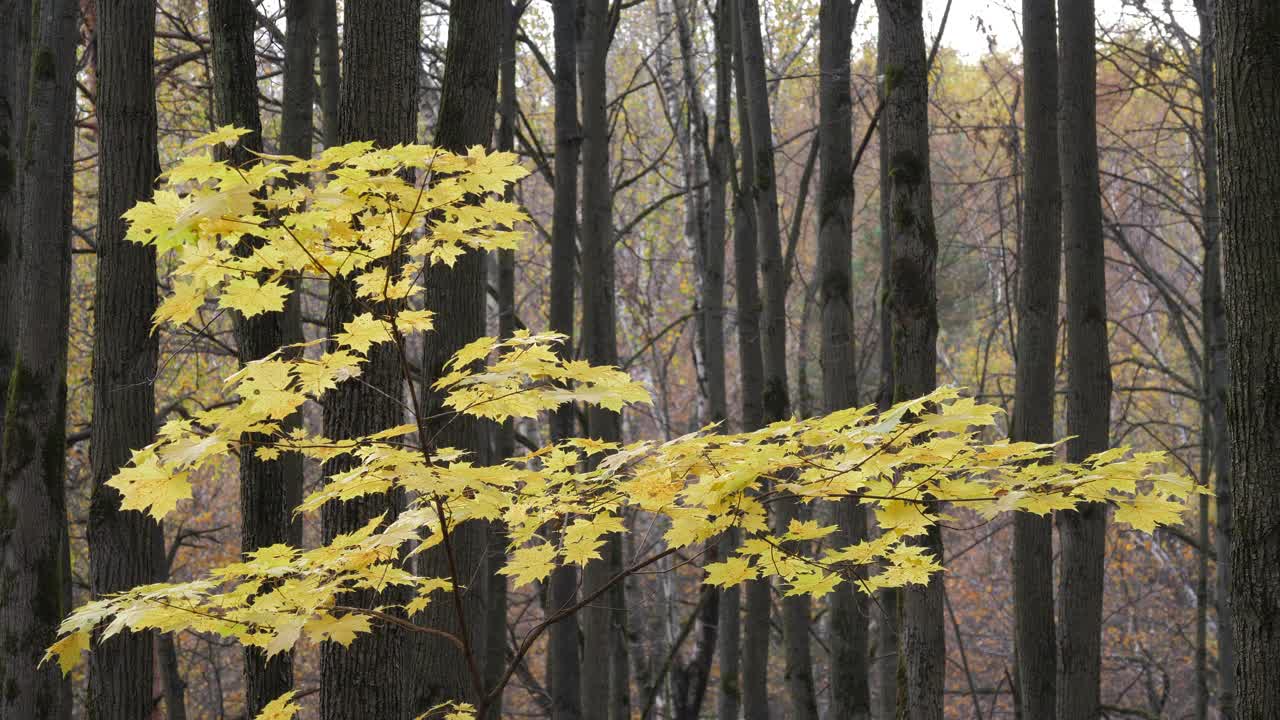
pixel 251 298
pixel 342 629
pixel 731 572
pixel 530 563
pixel 282 708
pixel 68 650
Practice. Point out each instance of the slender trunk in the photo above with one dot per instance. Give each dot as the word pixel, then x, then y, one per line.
pixel 329 64
pixel 1215 324
pixel 757 594
pixel 269 489
pixel 34 545
pixel 913 251
pixel 504 440
pixel 889 598
pixel 1039 263
pixel 296 127
pixel 172 686
pixel 601 695
pixel 850 690
pixel 378 103
pixel 1248 123
pixel 720 173
pixel 706 218
pixel 795 609
pixel 564 668
pixel 1082 533
pixel 125 548
pixel 15 56
pixel 468 100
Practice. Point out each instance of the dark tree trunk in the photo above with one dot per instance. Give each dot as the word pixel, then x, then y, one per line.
pixel 378 103
pixel 889 598
pixel 604 692
pixel 1082 533
pixel 564 669
pixel 125 547
pixel 1248 125
pixel 850 690
pixel 719 173
pixel 1215 322
pixel 15 55
pixel 504 440
pixel 795 609
pixel 706 218
pixel 330 68
pixel 269 489
pixel 1039 263
pixel 913 307
pixel 468 101
pixel 754 687
pixel 172 686
pixel 34 547
pixel 296 127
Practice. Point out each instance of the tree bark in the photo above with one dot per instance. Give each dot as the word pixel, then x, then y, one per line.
pixel 913 307
pixel 269 489
pixel 889 598
pixel 564 667
pixel 34 545
pixel 125 548
pixel 1082 533
pixel 330 68
pixel 296 127
pixel 1039 263
pixel 757 593
pixel 378 103
pixel 468 101
pixel 602 631
pixel 1248 124
pixel 795 609
pixel 1215 323
pixel 15 56
pixel 504 440
pixel 720 172
pixel 850 690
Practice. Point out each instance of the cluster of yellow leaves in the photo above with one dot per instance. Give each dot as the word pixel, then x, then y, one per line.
pixel 421 206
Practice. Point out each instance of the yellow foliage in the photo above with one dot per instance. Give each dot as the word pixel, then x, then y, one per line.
pixel 425 206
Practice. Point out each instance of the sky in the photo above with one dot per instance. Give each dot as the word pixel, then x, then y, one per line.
pixel 973 22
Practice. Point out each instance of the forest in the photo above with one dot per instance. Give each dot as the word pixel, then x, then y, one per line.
pixel 639 359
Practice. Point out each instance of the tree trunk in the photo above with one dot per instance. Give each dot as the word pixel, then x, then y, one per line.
pixel 601 629
pixel 720 172
pixel 707 218
pixel 330 72
pixel 34 545
pixel 125 547
pixel 1248 124
pixel 1215 323
pixel 15 56
pixel 1039 263
pixel 564 668
pixel 296 127
pixel 795 609
pixel 378 103
pixel 172 686
pixel 504 440
pixel 468 100
pixel 889 598
pixel 269 489
pixel 756 629
pixel 913 307
pixel 1082 533
pixel 850 691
